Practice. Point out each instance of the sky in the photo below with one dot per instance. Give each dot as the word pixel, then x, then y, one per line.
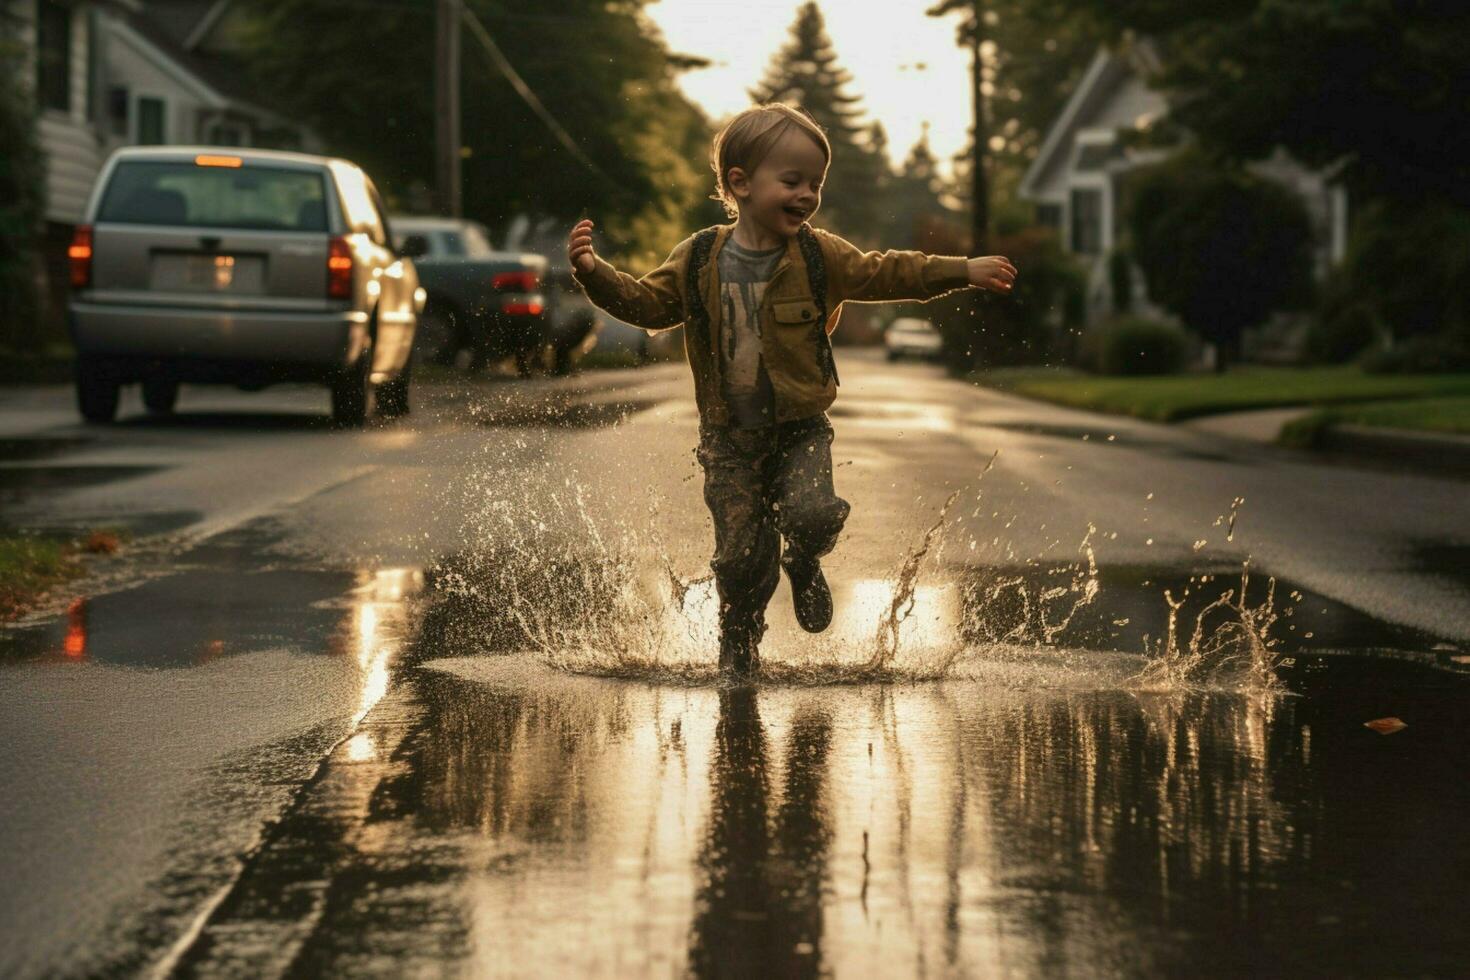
pixel 880 42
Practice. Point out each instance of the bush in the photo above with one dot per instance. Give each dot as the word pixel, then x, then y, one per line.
pixel 1219 248
pixel 1341 332
pixel 1134 346
pixel 1421 355
pixel 1409 263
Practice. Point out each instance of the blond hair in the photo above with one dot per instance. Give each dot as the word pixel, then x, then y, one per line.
pixel 745 140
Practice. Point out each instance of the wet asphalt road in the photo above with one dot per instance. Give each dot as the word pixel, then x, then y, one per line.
pixel 333 710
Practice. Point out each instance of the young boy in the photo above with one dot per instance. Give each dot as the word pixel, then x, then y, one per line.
pixel 758 299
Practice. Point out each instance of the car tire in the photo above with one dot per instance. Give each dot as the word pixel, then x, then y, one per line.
pixel 97 392
pixel 160 395
pixel 893 355
pixel 352 393
pixel 393 395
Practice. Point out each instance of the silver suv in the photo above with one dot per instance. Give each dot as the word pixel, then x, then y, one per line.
pixel 245 267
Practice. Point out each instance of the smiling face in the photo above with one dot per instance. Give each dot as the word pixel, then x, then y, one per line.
pixel 786 187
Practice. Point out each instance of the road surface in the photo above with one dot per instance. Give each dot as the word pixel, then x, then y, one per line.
pixel 438 696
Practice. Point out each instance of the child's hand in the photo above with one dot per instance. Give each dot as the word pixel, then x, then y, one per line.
pixel 579 247
pixel 993 272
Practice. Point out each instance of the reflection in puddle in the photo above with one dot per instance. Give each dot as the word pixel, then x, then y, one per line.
pixel 909 416
pixel 374 632
pixel 612 828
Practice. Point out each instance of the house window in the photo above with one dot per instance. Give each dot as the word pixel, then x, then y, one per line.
pixel 1049 216
pixel 53 55
pixel 1087 221
pixel 151 129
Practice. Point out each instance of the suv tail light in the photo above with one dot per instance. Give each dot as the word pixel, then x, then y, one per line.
pixel 339 268
pixel 516 282
pixel 532 308
pixel 80 256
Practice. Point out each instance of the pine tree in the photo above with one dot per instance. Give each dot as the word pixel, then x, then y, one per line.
pixel 915 211
pixel 805 73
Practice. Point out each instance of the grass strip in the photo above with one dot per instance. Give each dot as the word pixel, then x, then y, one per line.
pixel 1448 416
pixel 31 565
pixel 1176 397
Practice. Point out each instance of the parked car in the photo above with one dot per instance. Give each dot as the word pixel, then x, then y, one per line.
pixel 573 324
pixel 490 303
pixel 909 336
pixel 244 267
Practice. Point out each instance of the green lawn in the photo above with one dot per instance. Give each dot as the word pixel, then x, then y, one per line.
pixel 1447 415
pixel 29 566
pixel 33 564
pixel 1175 397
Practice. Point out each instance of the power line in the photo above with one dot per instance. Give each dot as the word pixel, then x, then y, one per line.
pixel 503 65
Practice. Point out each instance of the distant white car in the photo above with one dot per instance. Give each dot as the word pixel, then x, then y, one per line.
pixel 910 336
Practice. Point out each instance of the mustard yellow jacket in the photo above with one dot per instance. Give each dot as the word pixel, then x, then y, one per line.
pixel 792 348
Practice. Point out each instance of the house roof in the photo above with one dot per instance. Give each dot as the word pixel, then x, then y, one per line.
pixel 173 30
pixel 1107 69
pixel 168 25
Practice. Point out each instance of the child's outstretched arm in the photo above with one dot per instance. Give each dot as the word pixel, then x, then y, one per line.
pixel 652 302
pixel 876 277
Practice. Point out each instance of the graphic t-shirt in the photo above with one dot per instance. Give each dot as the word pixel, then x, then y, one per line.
pixel 747 387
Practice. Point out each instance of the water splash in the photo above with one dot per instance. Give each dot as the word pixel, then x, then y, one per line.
pixel 605 598
pixel 886 639
pixel 1231 641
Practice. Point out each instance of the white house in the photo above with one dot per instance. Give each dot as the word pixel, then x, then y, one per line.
pixel 111 73
pixel 1074 180
pixel 62 39
pixel 172 77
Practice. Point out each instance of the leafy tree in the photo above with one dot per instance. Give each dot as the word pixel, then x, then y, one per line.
pixel 1219 248
pixel 1408 269
pixel 1376 86
pixel 21 197
pixel 805 73
pixel 608 80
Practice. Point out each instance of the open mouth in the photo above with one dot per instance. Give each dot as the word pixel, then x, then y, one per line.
pixel 798 213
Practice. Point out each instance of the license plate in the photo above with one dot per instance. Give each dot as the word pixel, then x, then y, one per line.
pixel 209 273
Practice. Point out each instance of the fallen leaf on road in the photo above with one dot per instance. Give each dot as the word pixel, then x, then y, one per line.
pixel 1385 726
pixel 102 543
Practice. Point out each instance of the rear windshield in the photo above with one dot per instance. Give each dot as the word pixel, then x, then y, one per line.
pixel 183 193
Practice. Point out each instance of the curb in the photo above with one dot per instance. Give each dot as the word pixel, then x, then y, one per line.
pixel 1441 453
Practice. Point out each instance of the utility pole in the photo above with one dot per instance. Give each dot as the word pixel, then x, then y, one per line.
pixel 446 108
pixel 979 180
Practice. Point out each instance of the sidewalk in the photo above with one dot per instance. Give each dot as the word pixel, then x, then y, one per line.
pixel 1429 451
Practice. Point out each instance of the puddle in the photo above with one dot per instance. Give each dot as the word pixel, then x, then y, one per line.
pixel 189 619
pixel 953 828
pixel 17 482
pixel 1055 625
pixel 557 412
pixel 22 449
pixel 1130 606
pixel 221 599
pixel 901 417
pixel 1103 437
pixel 1446 561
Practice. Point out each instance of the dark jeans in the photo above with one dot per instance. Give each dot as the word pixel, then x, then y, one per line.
pixel 762 485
